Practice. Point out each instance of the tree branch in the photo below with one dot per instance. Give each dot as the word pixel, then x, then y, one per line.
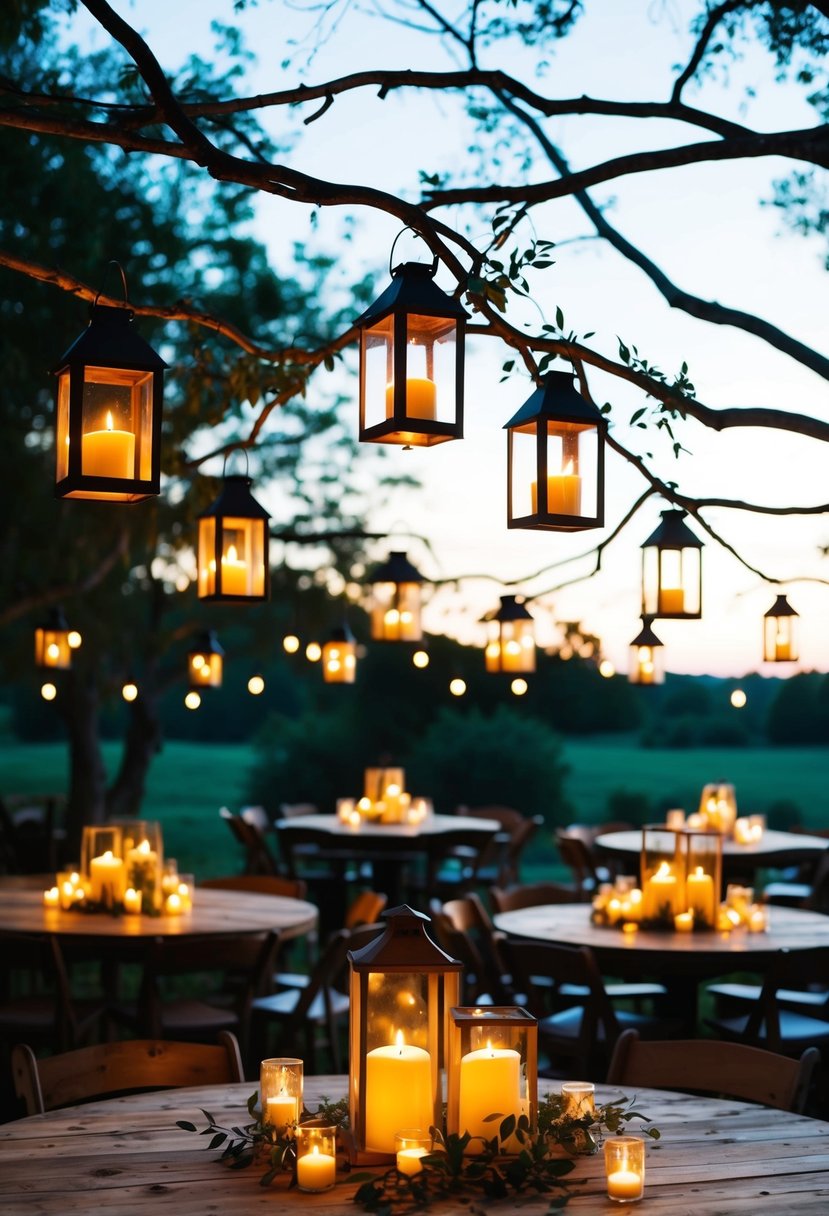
pixel 64 591
pixel 713 19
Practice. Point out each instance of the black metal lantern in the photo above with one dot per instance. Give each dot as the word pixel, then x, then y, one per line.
pixel 646 659
pixel 402 988
pixel 555 459
pixel 395 612
pixel 780 642
pixel 108 406
pixel 672 570
pixel 205 662
pixel 511 644
pixel 234 546
pixel 53 642
pixel 411 362
pixel 339 657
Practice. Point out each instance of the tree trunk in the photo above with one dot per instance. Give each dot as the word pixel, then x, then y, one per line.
pixel 87 779
pixel 141 744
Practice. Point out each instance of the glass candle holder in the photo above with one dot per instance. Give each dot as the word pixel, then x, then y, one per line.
pixel 169 877
pixel 663 869
pixel 143 855
pixel 280 1091
pixel 578 1099
pixel 184 890
pixel 675 819
pixel 492 1070
pixel 624 1163
pixel 316 1156
pixel 102 865
pixel 739 899
pixel 410 1145
pixel 703 880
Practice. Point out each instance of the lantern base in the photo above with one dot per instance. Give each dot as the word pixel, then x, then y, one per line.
pixel 362 1156
pixel 556 523
pixel 390 431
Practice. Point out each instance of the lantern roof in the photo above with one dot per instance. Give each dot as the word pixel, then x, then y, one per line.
pixel 341 633
pixel 404 946
pixel 781 607
pixel 109 341
pixel 206 643
pixel 673 533
pixel 646 637
pixel 511 608
pixel 556 399
pixel 55 621
pixel 396 569
pixel 412 290
pixel 236 499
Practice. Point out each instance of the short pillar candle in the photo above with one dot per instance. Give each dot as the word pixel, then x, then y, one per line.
pixel 624 1158
pixel 316 1156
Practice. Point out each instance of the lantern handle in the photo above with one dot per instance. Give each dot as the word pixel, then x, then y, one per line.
pixel 231 453
pixel 402 231
pixel 113 262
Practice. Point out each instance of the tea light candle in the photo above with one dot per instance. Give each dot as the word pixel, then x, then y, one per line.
pixel 684 922
pixel 624 1185
pixel 316 1171
pixel 172 904
pixel 398 1091
pixel 185 894
pixel 675 819
pixel 132 901
pixel 411 1147
pixel 624 1158
pixel 757 919
pixel 579 1098
pixel 51 898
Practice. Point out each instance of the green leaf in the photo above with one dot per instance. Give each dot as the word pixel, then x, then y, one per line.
pixel 185 1126
pixel 624 353
pixel 559 318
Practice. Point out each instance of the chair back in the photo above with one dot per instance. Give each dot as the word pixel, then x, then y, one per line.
pixel 540 969
pixel 258 857
pixel 257 817
pixel 365 909
pixel 461 848
pixel 531 895
pixel 476 988
pixel 789 969
pixel 575 853
pixel 259 884
pixel 110 1068
pixel 735 1070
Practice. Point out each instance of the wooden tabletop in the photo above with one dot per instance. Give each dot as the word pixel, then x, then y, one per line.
pixel 435 825
pixel 126 1156
pixel 773 850
pixel 662 952
pixel 214 911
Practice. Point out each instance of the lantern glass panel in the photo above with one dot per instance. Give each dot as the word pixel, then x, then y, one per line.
pixel 562 457
pixel 116 429
pixel 646 665
pixel 671 581
pixel 207 555
pixel 663 870
pixel 511 647
pixel 377 366
pixel 395 615
pixel 492 1069
pixel 205 670
pixel 430 368
pixel 243 557
pixel 780 641
pixel 703 883
pixel 52 649
pixel 62 437
pixel 339 662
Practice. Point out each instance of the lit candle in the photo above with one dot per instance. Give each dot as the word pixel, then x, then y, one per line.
pixel 675 819
pixel 684 922
pixel 579 1098
pixel 399 1092
pixel 108 453
pixel 742 831
pixel 281 1110
pixel 408 1160
pixel 624 1158
pixel 490 1083
pixel 563 492
pixel 172 904
pixel 660 894
pixel 107 879
pixel 234 573
pixel 132 901
pixel 316 1171
pixel 185 894
pixel 632 905
pixel 757 919
pixel 625 1185
pixel 701 897
pixel 671 599
pixel 67 894
pixel 51 898
pixel 421 398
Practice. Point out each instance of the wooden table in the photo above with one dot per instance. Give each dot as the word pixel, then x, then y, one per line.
pixel 126 1157
pixel 775 850
pixel 679 959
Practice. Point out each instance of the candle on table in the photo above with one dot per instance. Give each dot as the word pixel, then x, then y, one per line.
pixel 51 898
pixel 701 897
pixel 185 894
pixel 234 573
pixel 398 1092
pixel 408 1160
pixel 106 879
pixel 624 1158
pixel 490 1084
pixel 132 901
pixel 660 894
pixel 316 1171
pixel 757 919
pixel 281 1110
pixel 624 1185
pixel 579 1098
pixel 742 831
pixel 421 398
pixel 108 453
pixel 563 492
pixel 675 819
pixel 684 922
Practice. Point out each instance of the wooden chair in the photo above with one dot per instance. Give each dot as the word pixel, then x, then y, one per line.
pixel 713 1067
pixel 260 884
pixel 480 983
pixel 531 895
pixel 236 968
pixel 110 1068
pixel 35 998
pixel 575 852
pixel 365 909
pixel 579 1034
pixel 453 859
pixel 258 857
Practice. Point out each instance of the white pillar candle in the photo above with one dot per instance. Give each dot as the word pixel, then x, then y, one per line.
pixel 398 1093
pixel 490 1083
pixel 107 879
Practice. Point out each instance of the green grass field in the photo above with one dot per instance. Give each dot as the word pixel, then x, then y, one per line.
pixel 190 781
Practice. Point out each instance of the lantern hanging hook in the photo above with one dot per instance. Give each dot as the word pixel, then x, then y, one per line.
pixel 110 263
pixel 414 231
pixel 230 454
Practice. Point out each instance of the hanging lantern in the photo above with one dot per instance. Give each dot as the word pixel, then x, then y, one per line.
pixel 780 643
pixel 233 546
pixel 555 459
pixel 511 645
pixel 205 662
pixel 395 613
pixel 672 570
pixel 411 362
pixel 108 405
pixel 402 988
pixel 52 643
pixel 339 657
pixel 646 660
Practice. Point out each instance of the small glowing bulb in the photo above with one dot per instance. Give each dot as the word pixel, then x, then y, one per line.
pixel 48 692
pixel 197 662
pixel 606 669
pixel 519 687
pixel 130 691
pixel 256 685
pixel 74 639
pixel 420 658
pixel 457 687
pixel 313 652
pixel 738 698
pixel 52 651
pixel 290 643
pixel 192 700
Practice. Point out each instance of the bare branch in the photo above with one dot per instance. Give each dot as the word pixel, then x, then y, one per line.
pixel 713 19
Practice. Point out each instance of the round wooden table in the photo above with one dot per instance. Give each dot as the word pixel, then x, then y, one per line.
pixel 126 1156
pixel 775 850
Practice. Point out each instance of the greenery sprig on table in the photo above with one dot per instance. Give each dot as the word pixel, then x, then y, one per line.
pixel 536 1162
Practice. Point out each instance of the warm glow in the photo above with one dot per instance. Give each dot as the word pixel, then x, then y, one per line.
pixel 290 643
pixel 129 692
pixel 48 692
pixel 738 698
pixel 256 685
pixel 313 652
pixel 606 669
pixel 52 651
pixel 74 639
pixel 197 662
pixel 192 700
pixel 519 687
pixel 457 687
pixel 567 469
pixel 420 658
pixel 109 420
pixel 231 556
